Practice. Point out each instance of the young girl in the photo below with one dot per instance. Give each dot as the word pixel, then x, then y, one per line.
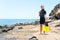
pixel 42 17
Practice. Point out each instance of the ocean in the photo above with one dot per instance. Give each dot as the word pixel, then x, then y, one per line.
pixel 14 21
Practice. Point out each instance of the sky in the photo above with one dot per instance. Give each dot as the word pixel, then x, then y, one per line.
pixel 24 9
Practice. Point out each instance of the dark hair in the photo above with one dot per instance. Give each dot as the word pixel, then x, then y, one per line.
pixel 46 24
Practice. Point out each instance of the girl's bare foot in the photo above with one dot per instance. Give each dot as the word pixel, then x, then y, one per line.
pixel 41 34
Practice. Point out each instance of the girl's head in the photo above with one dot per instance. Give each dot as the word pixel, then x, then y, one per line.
pixel 42 6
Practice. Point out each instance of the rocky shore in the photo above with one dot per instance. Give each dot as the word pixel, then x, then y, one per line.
pixel 6 28
pixel 29 31
pixel 32 32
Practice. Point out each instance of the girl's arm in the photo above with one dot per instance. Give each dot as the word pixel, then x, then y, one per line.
pixel 39 13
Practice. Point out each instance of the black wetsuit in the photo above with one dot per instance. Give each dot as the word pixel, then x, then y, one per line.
pixel 42 16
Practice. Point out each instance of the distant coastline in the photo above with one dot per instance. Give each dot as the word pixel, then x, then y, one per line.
pixel 14 21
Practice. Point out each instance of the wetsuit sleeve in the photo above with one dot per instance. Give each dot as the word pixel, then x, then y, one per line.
pixel 44 12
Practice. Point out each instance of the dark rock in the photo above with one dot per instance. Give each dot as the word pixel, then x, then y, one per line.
pixel 35 23
pixel 20 28
pixel 4 30
pixel 33 38
pixel 5 26
pixel 10 28
pixel 1 27
pixel 18 24
pixel 54 11
pixel 21 23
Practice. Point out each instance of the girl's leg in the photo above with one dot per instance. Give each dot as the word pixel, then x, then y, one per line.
pixel 40 28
